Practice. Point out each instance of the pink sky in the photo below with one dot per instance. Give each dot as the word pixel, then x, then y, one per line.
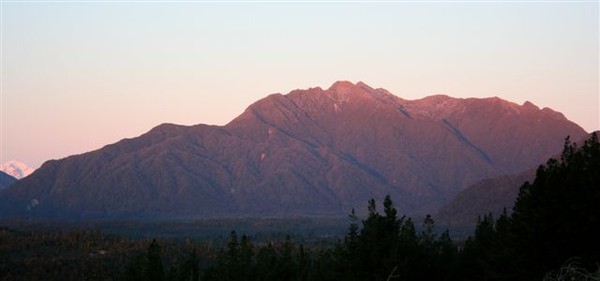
pixel 78 76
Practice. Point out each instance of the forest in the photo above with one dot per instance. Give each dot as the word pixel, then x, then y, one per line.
pixel 551 233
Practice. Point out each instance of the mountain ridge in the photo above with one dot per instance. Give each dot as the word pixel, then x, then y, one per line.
pixel 310 152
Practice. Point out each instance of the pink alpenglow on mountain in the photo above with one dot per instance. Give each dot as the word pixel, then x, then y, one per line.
pixel 16 169
pixel 311 152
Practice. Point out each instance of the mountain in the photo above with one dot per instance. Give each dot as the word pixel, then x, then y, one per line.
pixel 310 152
pixel 16 169
pixel 488 196
pixel 6 180
pixel 491 195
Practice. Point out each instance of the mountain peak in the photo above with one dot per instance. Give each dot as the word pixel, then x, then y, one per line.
pixel 345 87
pixel 346 90
pixel 342 85
pixel 16 169
pixel 434 99
pixel 530 105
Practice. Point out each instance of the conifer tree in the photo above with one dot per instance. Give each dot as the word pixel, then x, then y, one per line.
pixel 554 217
pixel 246 253
pixel 154 267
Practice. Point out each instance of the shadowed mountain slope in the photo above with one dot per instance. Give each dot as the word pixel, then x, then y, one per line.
pixel 491 195
pixel 6 180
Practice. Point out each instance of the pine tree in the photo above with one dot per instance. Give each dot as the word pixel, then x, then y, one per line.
pixel 154 267
pixel 351 239
pixel 378 241
pixel 428 235
pixel 446 256
pixel 245 258
pixel 350 253
pixel 266 263
pixel 553 217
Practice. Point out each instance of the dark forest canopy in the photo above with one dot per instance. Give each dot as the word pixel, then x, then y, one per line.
pixel 553 223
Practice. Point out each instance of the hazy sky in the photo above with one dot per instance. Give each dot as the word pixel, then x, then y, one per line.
pixel 79 75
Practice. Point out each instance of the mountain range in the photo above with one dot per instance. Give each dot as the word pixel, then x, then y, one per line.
pixel 313 152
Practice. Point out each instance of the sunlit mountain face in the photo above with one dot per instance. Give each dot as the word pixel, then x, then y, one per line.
pixel 314 152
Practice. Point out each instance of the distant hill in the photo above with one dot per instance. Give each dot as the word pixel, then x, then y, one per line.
pixel 311 152
pixel 487 196
pixel 6 180
pixel 491 195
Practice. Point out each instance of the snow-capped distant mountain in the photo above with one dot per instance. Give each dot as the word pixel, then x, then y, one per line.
pixel 16 169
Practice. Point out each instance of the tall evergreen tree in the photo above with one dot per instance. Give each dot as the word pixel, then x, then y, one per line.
pixel 246 253
pixel 266 263
pixel 446 257
pixel 154 268
pixel 351 239
pixel 378 242
pixel 350 262
pixel 193 268
pixel 554 217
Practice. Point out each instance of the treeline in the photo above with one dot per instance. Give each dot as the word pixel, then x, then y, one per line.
pixel 84 254
pixel 384 247
pixel 63 256
pixel 552 233
pixel 555 222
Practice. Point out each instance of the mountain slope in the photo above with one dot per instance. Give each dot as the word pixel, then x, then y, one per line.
pixel 491 195
pixel 488 196
pixel 310 152
pixel 6 180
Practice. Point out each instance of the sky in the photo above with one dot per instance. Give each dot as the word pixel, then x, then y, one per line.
pixel 78 75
